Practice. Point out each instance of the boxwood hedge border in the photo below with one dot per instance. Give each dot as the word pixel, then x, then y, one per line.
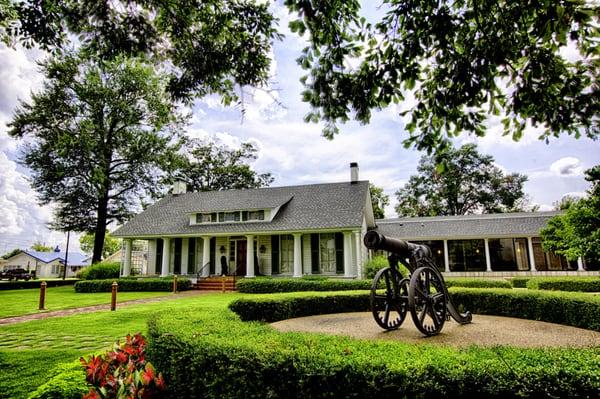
pixel 132 284
pixel 207 354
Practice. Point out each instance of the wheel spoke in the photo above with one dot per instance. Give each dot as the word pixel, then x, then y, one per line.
pixel 386 316
pixel 422 314
pixel 427 282
pixel 438 297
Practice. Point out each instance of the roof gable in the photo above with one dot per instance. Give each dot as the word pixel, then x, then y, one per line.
pixel 316 206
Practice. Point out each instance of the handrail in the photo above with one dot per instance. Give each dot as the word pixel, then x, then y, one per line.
pixel 199 272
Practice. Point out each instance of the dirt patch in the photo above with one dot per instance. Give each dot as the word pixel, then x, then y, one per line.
pixel 483 331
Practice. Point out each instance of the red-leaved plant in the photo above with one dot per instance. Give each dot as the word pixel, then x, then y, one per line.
pixel 123 373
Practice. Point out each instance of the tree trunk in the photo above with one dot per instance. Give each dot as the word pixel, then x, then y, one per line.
pixel 100 229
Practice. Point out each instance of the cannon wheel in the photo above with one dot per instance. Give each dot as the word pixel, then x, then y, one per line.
pixel 389 298
pixel 427 300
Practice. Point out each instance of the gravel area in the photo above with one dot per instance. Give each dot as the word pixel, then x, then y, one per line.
pixel 483 331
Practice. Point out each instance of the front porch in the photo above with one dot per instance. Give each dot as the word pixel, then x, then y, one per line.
pixel 294 254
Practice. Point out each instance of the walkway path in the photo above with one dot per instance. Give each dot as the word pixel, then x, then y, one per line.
pixel 96 308
pixel 483 331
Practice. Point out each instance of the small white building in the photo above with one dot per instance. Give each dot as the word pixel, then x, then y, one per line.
pixel 47 264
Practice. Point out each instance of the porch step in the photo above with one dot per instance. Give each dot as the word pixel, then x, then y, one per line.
pixel 215 284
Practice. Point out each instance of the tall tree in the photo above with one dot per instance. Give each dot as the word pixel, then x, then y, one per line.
pixel 462 60
pixel 576 232
pixel 379 200
pixel 468 182
pixel 99 134
pixel 110 246
pixel 207 46
pixel 210 166
pixel 38 246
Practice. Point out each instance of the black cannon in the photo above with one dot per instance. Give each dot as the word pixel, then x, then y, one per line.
pixel 423 292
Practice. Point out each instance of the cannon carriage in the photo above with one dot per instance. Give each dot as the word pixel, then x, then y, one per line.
pixel 423 292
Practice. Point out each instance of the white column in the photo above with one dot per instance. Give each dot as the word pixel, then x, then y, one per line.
pixel 297 255
pixel 358 254
pixel 151 268
pixel 185 248
pixel 531 257
pixel 250 255
pixel 127 258
pixel 580 264
pixel 166 257
pixel 488 262
pixel 205 256
pixel 446 257
pixel 347 254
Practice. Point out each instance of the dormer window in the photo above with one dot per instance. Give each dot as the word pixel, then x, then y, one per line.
pixel 231 217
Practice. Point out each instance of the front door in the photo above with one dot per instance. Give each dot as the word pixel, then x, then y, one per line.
pixel 241 258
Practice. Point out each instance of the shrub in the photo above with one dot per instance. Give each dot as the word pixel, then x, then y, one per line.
pixel 123 372
pixel 271 285
pixel 373 265
pixel 100 271
pixel 204 353
pixel 519 282
pixel 583 284
pixel 131 284
pixel 67 383
pixel 17 285
pixel 477 283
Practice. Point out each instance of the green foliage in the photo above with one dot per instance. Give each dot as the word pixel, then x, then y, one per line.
pixel 67 383
pixel 576 232
pixel 12 253
pixel 519 282
pixel 468 183
pixel 100 271
pixel 38 246
pixel 477 283
pixel 583 284
pixel 207 47
pixel 373 265
pixel 270 285
pixel 209 166
pixel 20 284
pixel 131 284
pixel 464 62
pixel 101 136
pixel 379 200
pixel 110 246
pixel 204 353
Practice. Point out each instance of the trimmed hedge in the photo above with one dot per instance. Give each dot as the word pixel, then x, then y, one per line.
pixel 209 353
pixel 578 310
pixel 275 285
pixel 17 285
pixel 519 282
pixel 582 284
pixel 131 284
pixel 68 383
pixel 100 271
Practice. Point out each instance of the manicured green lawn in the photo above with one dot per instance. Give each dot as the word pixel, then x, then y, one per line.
pixel 26 301
pixel 30 351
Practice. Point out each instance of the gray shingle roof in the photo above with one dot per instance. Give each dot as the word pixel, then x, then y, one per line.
pixel 466 226
pixel 309 207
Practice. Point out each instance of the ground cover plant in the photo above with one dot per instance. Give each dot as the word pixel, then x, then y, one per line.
pixel 583 284
pixel 22 302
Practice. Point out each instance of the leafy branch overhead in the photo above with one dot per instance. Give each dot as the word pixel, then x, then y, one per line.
pixel 464 61
pixel 207 47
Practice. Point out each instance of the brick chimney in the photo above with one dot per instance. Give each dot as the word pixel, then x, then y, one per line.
pixel 353 172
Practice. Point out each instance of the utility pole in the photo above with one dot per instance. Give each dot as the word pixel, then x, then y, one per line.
pixel 66 255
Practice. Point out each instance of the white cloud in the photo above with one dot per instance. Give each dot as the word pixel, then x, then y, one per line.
pixel 567 166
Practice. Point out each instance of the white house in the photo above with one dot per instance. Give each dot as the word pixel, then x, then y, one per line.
pixel 318 229
pixel 47 264
pixel 285 231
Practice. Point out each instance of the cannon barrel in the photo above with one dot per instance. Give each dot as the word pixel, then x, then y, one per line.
pixel 377 241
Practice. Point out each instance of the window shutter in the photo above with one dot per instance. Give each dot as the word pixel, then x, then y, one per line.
pixel 275 254
pixel 314 253
pixel 339 252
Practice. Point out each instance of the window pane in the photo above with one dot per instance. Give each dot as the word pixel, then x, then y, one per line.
pixel 327 253
pixel 437 251
pixel 502 254
pixel 256 215
pixel 232 217
pixel 466 255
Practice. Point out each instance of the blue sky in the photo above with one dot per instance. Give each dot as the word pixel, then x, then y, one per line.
pixel 293 151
